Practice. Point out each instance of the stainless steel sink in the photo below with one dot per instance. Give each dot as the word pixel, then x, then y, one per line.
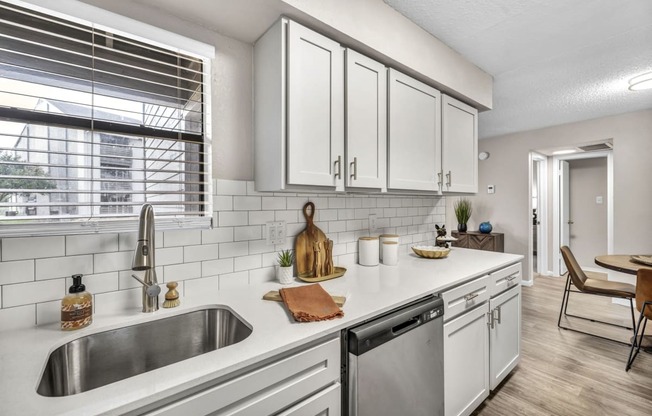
pixel 106 357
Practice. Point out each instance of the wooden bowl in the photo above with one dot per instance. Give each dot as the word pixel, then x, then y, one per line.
pixel 431 252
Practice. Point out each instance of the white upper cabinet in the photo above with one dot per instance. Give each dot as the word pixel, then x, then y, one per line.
pixel 414 134
pixel 366 122
pixel 459 146
pixel 298 110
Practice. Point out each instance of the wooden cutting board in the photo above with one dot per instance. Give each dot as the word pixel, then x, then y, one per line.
pixel 303 245
pixel 275 296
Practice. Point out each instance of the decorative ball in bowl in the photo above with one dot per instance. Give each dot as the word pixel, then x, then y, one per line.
pixel 431 252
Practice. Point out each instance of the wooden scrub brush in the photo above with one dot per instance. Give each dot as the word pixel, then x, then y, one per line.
pixel 172 297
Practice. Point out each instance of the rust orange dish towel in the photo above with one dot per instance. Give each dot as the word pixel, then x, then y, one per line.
pixel 310 303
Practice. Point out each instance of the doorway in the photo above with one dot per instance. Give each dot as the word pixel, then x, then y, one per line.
pixel 539 214
pixel 583 207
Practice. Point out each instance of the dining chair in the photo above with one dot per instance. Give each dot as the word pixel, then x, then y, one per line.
pixel 587 283
pixel 644 305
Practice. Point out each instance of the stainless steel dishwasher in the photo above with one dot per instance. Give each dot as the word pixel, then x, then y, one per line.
pixel 395 363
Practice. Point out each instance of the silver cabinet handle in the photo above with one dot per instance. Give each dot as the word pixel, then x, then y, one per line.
pixel 490 319
pixel 497 312
pixel 354 168
pixel 449 175
pixel 440 182
pixel 470 296
pixel 510 278
pixel 338 162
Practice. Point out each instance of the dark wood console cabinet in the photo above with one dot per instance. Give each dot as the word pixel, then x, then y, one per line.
pixel 479 241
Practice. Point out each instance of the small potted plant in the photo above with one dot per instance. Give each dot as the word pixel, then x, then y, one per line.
pixel 463 212
pixel 284 270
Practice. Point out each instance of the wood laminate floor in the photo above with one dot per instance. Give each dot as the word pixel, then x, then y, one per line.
pixel 567 373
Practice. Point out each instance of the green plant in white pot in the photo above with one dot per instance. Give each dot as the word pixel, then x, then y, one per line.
pixel 463 210
pixel 284 271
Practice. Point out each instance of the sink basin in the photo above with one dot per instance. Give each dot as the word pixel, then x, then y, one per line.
pixel 106 357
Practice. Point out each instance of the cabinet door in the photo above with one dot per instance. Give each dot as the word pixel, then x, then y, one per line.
pixel 315 102
pixel 505 336
pixel 466 363
pixel 459 146
pixel 414 134
pixel 327 402
pixel 366 122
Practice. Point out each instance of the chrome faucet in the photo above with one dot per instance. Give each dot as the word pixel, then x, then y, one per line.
pixel 144 259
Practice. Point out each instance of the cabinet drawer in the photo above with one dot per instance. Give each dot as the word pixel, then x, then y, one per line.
pixel 268 389
pixel 326 402
pixel 465 297
pixel 504 279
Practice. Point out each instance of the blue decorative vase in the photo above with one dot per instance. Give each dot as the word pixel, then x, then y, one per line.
pixel 485 227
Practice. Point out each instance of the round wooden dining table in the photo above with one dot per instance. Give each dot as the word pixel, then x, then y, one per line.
pixel 620 263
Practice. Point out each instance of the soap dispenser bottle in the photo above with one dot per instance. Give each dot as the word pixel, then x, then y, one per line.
pixel 76 306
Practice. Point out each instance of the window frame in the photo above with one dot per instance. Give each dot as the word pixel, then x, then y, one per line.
pixel 88 15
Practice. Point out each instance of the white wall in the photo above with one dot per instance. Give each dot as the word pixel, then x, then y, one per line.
pixel 507 169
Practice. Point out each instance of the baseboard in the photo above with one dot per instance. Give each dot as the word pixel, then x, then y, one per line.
pixel 527 283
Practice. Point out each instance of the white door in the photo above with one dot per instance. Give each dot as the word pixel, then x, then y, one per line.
pixel 504 334
pixel 564 208
pixel 366 122
pixel 414 134
pixel 466 363
pixel 459 146
pixel 315 103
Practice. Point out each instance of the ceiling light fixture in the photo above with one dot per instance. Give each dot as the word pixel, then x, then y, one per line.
pixel 564 152
pixel 641 82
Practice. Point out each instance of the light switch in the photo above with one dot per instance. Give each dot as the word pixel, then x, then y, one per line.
pixel 598 199
pixel 491 189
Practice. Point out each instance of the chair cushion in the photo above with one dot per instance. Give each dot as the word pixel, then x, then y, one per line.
pixel 607 287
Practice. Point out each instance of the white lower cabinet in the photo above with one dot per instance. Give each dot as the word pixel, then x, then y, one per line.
pixel 481 344
pixel 305 383
pixel 466 362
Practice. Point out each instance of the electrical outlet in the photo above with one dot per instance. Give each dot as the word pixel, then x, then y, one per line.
pixel 373 226
pixel 275 232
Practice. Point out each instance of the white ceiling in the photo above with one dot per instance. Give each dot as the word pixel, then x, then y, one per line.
pixel 553 61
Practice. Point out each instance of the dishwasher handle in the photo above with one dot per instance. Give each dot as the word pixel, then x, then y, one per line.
pixel 375 333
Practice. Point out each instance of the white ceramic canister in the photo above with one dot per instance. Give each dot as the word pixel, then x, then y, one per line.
pixel 390 253
pixel 368 251
pixel 386 237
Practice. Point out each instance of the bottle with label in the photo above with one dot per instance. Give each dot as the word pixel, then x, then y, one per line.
pixel 76 306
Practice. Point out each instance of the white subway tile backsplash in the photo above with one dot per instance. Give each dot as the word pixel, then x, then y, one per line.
pixel 232 218
pixel 215 267
pixel 198 287
pixel 176 272
pixel 223 203
pixel 111 262
pixel 48 313
pixel 248 262
pixel 200 252
pixel 90 244
pixel 240 248
pixel 234 280
pixel 63 266
pixel 260 217
pixel 16 272
pixel 265 274
pixel 217 235
pixel 19 317
pixel 33 248
pixel 229 187
pixel 274 203
pixel 178 238
pixel 246 203
pixel 32 292
pixel 250 232
pixel 34 272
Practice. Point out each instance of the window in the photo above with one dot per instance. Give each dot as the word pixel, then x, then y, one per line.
pixel 94 123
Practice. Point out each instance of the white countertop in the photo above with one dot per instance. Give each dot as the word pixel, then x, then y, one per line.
pixel 369 292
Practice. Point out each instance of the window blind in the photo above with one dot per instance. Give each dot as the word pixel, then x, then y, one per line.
pixel 93 124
